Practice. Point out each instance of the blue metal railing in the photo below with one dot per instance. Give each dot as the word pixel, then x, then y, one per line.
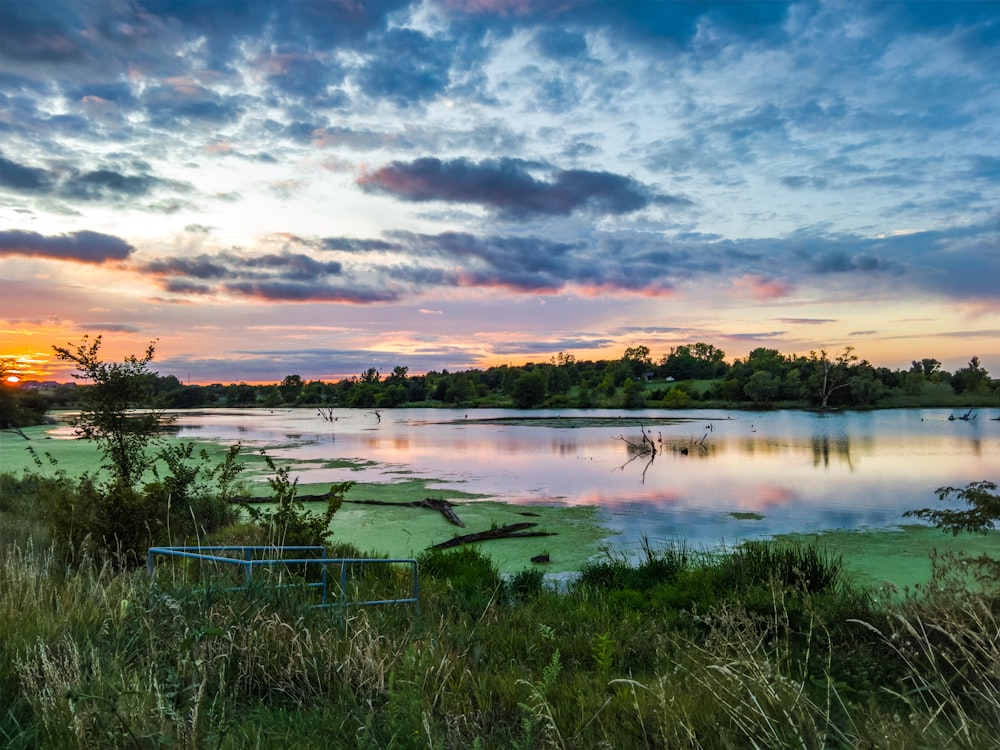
pixel 249 561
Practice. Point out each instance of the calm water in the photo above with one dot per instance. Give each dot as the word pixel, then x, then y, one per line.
pixel 799 471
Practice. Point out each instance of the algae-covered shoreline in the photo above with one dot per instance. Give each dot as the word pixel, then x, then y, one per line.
pixel 895 558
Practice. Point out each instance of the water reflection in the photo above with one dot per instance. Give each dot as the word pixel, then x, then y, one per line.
pixel 822 445
pixel 799 472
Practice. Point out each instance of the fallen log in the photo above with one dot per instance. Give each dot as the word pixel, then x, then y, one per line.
pixel 270 498
pixel 510 531
pixel 442 506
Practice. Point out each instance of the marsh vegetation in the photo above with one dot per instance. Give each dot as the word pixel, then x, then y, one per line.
pixel 766 644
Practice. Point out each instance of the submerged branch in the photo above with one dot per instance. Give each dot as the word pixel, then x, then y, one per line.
pixel 442 506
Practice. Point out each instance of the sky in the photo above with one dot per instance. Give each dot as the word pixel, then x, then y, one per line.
pixel 318 187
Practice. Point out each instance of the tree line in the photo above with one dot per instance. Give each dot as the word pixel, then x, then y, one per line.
pixel 688 376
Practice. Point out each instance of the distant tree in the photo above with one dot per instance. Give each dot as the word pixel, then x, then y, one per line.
pixel 529 389
pixel 117 411
pixel 762 388
pixel 972 379
pixel 398 375
pixel 633 394
pixel 637 359
pixel 865 388
pixel 928 366
pixel 698 361
pixel 914 383
pixel 639 354
pixel 290 388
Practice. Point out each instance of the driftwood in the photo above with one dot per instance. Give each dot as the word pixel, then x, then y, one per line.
pixel 442 506
pixel 510 531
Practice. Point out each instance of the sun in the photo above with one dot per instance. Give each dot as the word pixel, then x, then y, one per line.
pixel 13 379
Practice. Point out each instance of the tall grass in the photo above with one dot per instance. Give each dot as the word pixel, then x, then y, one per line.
pixel 768 647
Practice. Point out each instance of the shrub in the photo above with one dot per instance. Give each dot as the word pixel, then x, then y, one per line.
pixel 471 576
pixel 291 523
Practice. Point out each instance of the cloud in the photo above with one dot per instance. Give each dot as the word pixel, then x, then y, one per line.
pixel 184 99
pixel 417 70
pixel 509 187
pixel 39 32
pixel 288 291
pixel 69 183
pixel 270 277
pixel 760 288
pixel 83 246
pixel 22 178
pixel 806 321
pixel 354 245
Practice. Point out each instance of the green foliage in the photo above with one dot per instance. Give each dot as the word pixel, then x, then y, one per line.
pixel 472 578
pixel 527 584
pixel 529 389
pixel 972 379
pixel 676 398
pixel 187 500
pixel 94 658
pixel 20 408
pixel 762 388
pixel 982 513
pixel 117 409
pixel 291 522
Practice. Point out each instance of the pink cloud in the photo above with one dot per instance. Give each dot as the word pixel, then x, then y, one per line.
pixel 760 288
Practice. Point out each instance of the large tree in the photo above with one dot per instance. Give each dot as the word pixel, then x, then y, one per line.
pixel 831 374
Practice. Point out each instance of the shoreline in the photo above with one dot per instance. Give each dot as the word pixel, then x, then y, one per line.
pixel 892 559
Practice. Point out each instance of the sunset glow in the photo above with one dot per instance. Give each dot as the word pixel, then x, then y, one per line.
pixel 270 188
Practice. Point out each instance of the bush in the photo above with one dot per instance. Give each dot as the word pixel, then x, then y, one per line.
pixel 472 577
pixel 291 523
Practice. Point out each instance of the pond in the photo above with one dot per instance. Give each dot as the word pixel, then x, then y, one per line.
pixel 717 477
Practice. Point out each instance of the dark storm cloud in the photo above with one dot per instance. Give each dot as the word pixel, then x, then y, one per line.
pixel 508 186
pixel 84 247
